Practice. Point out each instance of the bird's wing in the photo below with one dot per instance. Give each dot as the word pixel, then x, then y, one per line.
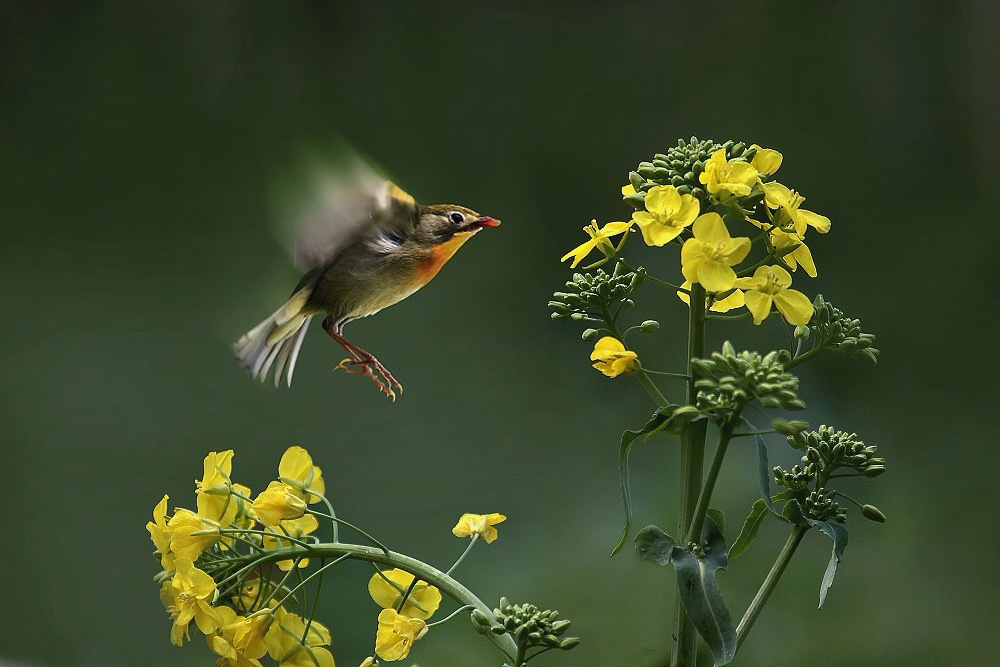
pixel 334 205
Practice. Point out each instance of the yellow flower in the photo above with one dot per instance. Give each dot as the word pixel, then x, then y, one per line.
pixel 160 534
pixel 213 488
pixel 628 190
pixel 612 358
pixel 479 524
pixel 248 634
pixel 769 284
pixel 777 196
pixel 221 642
pixel 766 161
pixel 396 634
pixel 708 258
pixel 801 255
pixel 422 601
pixel 191 534
pixel 278 503
pixel 188 596
pixel 294 528
pixel 284 642
pixel 599 238
pixel 734 300
pixel 296 469
pixel 667 214
pixel 723 178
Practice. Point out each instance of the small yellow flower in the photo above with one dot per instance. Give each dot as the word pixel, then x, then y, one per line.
pixel 723 179
pixel 777 196
pixel 708 258
pixel 801 255
pixel 766 160
pixel 191 534
pixel 612 358
pixel 296 469
pixel 388 587
pixel 160 534
pixel 188 595
pixel 248 634
pixel 284 642
pixel 734 300
pixel 213 488
pixel 479 524
pixel 396 634
pixel 769 284
pixel 628 190
pixel 667 214
pixel 221 642
pixel 278 503
pixel 599 239
pixel 294 528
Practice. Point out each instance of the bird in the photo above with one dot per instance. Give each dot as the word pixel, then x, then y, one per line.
pixel 365 244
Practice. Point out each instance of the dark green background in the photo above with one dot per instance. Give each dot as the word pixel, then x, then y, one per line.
pixel 138 145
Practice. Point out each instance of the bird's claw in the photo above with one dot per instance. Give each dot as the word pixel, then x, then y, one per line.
pixel 371 368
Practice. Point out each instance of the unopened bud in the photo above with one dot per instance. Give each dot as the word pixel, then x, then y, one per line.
pixel 649 326
pixel 590 334
pixel 872 513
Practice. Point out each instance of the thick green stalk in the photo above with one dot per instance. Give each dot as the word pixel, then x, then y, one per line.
pixel 419 569
pixel 692 467
pixel 698 520
pixel 770 582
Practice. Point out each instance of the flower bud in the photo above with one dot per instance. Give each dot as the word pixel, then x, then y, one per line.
pixel 590 334
pixel 872 513
pixel 649 326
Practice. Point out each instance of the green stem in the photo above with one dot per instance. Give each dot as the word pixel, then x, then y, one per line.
pixel 770 582
pixel 641 375
pixel 692 465
pixel 445 583
pixel 472 543
pixel 698 520
pixel 803 357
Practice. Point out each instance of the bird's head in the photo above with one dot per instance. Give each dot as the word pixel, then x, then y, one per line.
pixel 440 223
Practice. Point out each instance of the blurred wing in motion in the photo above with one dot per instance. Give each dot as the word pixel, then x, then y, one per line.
pixel 331 203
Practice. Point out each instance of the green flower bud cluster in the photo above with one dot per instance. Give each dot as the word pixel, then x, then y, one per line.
pixel 730 380
pixel 821 505
pixel 680 167
pixel 588 295
pixel 798 478
pixel 837 332
pixel 527 624
pixel 833 450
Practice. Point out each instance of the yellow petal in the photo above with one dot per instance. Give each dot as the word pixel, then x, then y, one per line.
pixel 579 253
pixel 605 345
pixel 628 190
pixel 688 211
pixel 737 250
pixel 734 300
pixel 658 235
pixel 662 199
pixel 766 160
pixel 710 229
pixel 795 306
pixel 820 223
pixel 759 305
pixel 716 277
pixel 777 195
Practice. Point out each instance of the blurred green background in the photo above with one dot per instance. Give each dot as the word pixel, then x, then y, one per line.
pixel 138 145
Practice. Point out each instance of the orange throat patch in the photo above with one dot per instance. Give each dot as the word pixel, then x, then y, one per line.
pixel 440 255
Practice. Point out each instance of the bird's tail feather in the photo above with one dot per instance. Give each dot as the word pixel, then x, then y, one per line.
pixel 276 341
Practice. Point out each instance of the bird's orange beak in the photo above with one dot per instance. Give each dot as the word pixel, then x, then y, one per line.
pixel 486 221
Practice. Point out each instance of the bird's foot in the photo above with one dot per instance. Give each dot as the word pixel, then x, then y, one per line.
pixel 372 368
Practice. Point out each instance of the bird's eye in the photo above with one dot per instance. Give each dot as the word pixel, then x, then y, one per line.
pixel 457 218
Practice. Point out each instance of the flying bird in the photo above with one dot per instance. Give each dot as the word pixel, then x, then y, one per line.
pixel 365 245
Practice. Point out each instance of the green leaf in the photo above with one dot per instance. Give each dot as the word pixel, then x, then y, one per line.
pixel 700 594
pixel 719 517
pixel 837 533
pixel 751 527
pixel 628 438
pixel 763 471
pixel 654 545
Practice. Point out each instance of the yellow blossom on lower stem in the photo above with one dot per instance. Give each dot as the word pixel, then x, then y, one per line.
pixel 600 238
pixel 221 642
pixel 790 214
pixel 387 588
pixel 800 256
pixel 734 300
pixel 709 257
pixel 294 528
pixel 612 358
pixel 478 524
pixel 190 534
pixel 278 503
pixel 248 634
pixel 159 533
pixel 285 642
pixel 396 634
pixel 213 487
pixel 188 596
pixel 296 469
pixel 770 285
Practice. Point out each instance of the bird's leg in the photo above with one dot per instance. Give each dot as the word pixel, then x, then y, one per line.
pixel 368 365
